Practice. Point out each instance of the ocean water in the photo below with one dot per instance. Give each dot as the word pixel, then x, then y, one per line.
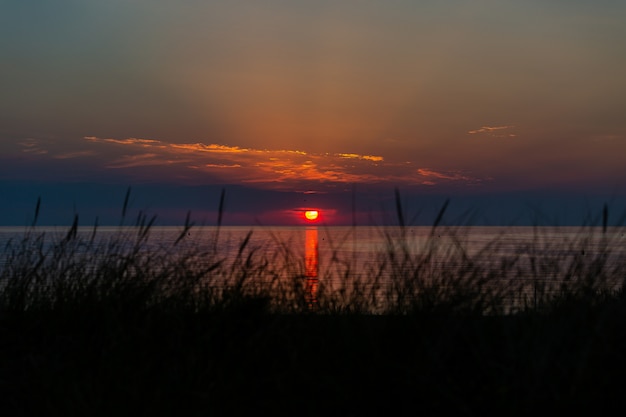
pixel 362 258
pixel 361 244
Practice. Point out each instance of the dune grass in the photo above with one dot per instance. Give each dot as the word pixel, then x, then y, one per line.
pixel 92 326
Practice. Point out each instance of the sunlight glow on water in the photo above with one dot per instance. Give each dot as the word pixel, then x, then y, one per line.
pixel 363 259
pixel 359 242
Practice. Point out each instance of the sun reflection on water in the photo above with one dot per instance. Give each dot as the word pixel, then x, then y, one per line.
pixel 311 261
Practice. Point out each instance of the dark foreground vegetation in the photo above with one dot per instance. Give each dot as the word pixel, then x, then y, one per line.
pixel 104 327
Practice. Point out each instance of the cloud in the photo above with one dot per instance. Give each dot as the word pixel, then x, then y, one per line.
pixel 357 156
pixel 129 141
pixel 494 131
pixel 276 169
pixel 213 148
pixel 77 154
pixel 448 176
pixel 223 166
pixel 129 161
pixel 32 146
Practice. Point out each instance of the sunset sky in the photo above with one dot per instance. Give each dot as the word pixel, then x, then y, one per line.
pixel 500 106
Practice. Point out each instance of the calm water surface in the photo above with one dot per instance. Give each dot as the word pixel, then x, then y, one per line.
pixel 359 245
pixel 526 258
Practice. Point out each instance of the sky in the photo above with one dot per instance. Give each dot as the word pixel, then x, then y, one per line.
pixel 504 107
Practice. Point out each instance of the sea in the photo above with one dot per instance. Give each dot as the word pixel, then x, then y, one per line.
pixel 333 256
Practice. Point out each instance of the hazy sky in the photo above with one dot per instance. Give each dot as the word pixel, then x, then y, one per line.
pixel 433 97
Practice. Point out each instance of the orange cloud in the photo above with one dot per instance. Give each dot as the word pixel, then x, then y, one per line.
pixel 200 147
pixel 493 131
pixel 357 156
pixel 269 168
pixel 128 141
pixel 223 166
pixel 128 161
pixel 443 176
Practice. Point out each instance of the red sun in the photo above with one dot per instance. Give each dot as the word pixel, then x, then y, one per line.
pixel 311 215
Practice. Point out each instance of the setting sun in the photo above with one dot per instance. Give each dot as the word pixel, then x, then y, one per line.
pixel 311 215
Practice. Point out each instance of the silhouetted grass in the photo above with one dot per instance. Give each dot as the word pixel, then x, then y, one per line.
pixel 124 325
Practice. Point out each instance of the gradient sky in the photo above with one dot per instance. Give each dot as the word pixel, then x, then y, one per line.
pixel 291 104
